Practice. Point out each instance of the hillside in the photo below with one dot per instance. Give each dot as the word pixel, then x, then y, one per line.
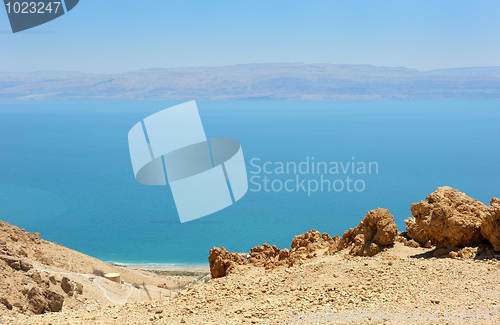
pixel 37 276
pixel 273 81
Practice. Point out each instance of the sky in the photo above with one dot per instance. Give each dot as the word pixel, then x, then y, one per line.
pixel 111 36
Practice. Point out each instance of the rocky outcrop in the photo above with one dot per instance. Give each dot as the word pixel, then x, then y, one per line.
pixel 264 255
pixel 376 230
pixel 312 240
pixel 40 302
pixel 448 217
pixel 16 264
pixel 302 247
pixel 490 227
pixel 222 262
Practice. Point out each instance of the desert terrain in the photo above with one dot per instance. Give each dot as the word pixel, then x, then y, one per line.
pixel 444 269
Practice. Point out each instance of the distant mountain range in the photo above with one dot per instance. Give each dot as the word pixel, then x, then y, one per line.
pixel 272 81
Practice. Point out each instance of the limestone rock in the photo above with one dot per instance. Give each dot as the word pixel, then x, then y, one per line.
pixel 415 232
pixel 222 262
pixel 376 229
pixel 265 254
pixel 490 227
pixel 311 240
pixel 54 301
pixel 302 247
pixel 37 301
pixel 41 302
pixel 16 263
pixel 67 286
pixel 52 279
pixel 7 301
pixel 79 288
pixel 25 265
pixel 448 217
pixel 412 243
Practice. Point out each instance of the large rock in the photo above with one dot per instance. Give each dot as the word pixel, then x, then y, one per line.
pixel 7 301
pixel 312 240
pixel 16 263
pixel 54 300
pixel 375 230
pixel 490 227
pixel 415 232
pixel 46 301
pixel 264 255
pixel 37 301
pixel 67 286
pixel 222 262
pixel 448 217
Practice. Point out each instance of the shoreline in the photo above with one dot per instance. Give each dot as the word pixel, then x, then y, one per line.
pixel 192 269
pixel 156 265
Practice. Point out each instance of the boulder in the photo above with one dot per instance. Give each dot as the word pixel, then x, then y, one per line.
pixel 25 265
pixel 79 288
pixel 16 263
pixel 490 227
pixel 222 262
pixel 7 301
pixel 263 255
pixel 375 230
pixel 54 301
pixel 37 301
pixel 448 217
pixel 52 279
pixel 415 232
pixel 67 286
pixel 311 240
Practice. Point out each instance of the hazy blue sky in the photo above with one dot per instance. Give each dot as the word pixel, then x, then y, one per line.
pixel 115 35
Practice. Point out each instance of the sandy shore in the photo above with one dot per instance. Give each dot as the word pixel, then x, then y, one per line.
pixel 192 269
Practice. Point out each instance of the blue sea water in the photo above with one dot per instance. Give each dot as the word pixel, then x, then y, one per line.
pixel 65 171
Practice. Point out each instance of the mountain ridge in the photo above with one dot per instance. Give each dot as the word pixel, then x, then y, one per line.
pixel 272 81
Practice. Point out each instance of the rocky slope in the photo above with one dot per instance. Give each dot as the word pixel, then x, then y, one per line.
pixel 37 276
